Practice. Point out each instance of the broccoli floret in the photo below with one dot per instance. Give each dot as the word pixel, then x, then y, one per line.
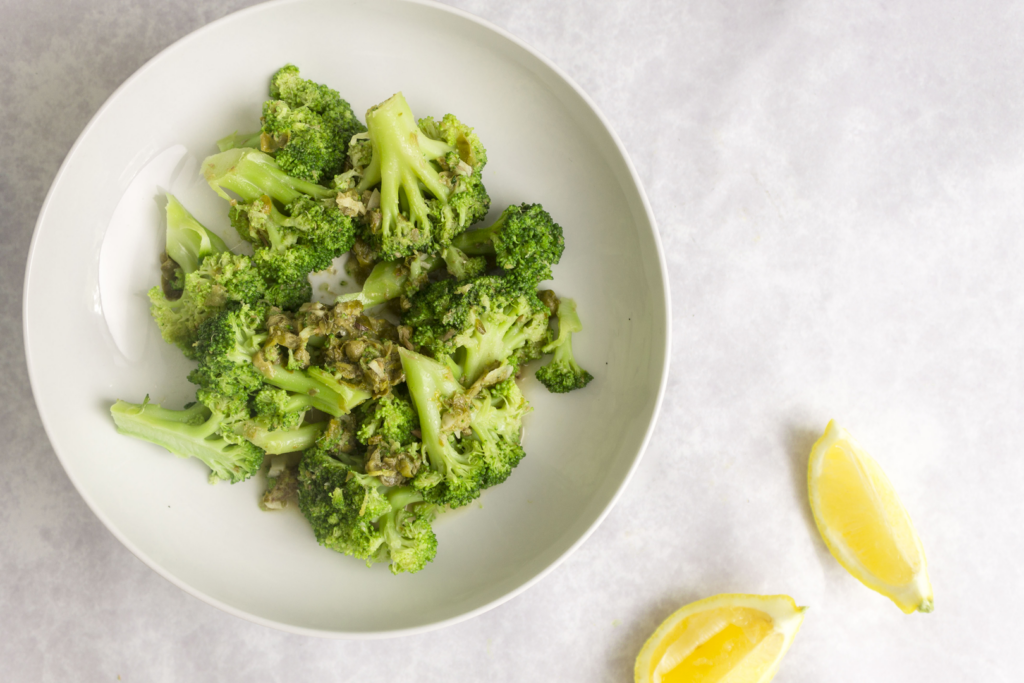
pixel 204 277
pixel 471 440
pixel 391 418
pixel 407 532
pixel 342 505
pixel 279 409
pixel 351 513
pixel 474 324
pixel 192 432
pixel 304 237
pixel 428 176
pixel 563 374
pixel 231 362
pixel 525 241
pixel 308 126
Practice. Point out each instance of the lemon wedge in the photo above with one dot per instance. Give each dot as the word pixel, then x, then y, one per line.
pixel 863 522
pixel 722 639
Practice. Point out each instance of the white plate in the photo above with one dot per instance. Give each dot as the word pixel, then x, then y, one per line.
pixel 89 339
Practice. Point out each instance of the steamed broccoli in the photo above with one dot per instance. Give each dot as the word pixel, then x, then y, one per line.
pixel 392 279
pixel 200 278
pixel 352 513
pixel 473 324
pixel 194 432
pixel 230 350
pixel 525 241
pixel 471 439
pixel 428 176
pixel 390 417
pixel 563 373
pixel 306 127
pixel 295 226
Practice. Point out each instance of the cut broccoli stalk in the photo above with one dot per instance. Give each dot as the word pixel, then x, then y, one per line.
pixel 193 432
pixel 326 393
pixel 563 373
pixel 251 174
pixel 188 241
pixel 391 279
pixel 237 140
pixel 279 441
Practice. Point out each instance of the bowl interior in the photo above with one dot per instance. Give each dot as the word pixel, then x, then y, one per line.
pixel 95 253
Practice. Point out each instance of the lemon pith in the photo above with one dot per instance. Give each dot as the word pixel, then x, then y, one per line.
pixel 863 522
pixel 725 638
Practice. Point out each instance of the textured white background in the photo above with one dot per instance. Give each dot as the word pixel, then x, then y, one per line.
pixel 840 194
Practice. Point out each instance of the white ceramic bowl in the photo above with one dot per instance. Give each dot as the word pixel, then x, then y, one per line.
pixel 89 339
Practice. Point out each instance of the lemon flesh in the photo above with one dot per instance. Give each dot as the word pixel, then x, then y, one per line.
pixel 722 639
pixel 863 522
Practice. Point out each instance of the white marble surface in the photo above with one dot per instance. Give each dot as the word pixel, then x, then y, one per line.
pixel 839 193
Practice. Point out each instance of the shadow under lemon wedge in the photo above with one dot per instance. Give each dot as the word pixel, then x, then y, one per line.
pixel 727 638
pixel 863 522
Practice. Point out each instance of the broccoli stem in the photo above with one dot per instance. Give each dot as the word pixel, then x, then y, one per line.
pixel 479 242
pixel 279 441
pixel 236 140
pixel 429 382
pixel 188 241
pixel 192 432
pixel 400 162
pixel 386 281
pixel 251 174
pixel 325 392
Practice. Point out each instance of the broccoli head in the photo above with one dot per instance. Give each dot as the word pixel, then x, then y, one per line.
pixel 390 417
pixel 471 439
pixel 196 432
pixel 306 127
pixel 352 513
pixel 525 240
pixel 472 324
pixel 428 176
pixel 563 373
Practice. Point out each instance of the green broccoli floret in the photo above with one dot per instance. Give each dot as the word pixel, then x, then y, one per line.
pixel 200 280
pixel 231 358
pixel 342 505
pixel 308 126
pixel 296 227
pixel 563 374
pixel 406 530
pixel 471 440
pixel 473 324
pixel 194 432
pixel 279 409
pixel 391 418
pixel 351 513
pixel 525 241
pixel 428 176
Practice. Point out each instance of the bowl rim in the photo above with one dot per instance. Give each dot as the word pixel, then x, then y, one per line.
pixel 324 633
